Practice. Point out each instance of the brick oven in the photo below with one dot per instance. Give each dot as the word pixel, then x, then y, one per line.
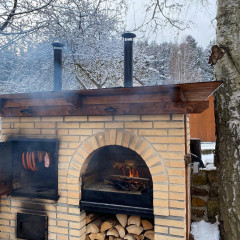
pixel 89 134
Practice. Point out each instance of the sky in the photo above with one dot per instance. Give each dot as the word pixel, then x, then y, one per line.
pixel 202 26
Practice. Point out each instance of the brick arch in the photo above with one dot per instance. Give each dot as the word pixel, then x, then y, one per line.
pixel 152 158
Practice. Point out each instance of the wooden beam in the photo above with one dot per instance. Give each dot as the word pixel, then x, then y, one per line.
pixel 9 103
pixel 108 109
pixel 74 99
pixel 178 98
pixel 175 94
pixel 200 90
pixel 133 98
pixel 172 94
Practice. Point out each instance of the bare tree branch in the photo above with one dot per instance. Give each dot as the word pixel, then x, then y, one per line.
pixel 139 81
pixel 80 82
pixel 88 75
pixel 171 21
pixel 23 32
pixel 32 10
pixel 10 16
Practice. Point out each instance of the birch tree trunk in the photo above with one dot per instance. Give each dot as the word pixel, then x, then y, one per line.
pixel 227 113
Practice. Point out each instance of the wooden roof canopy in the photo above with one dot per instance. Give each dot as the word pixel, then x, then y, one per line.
pixel 164 99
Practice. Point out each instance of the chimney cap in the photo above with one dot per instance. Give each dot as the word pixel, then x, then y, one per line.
pixel 129 35
pixel 57 45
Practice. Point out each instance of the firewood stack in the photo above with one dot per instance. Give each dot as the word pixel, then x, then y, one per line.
pixel 118 227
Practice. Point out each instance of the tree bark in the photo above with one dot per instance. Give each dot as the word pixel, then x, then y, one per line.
pixel 227 115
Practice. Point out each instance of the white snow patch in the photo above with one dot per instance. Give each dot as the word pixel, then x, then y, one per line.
pixel 210 167
pixel 208 159
pixel 203 230
pixel 208 145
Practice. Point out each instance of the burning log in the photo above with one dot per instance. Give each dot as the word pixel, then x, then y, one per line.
pixel 128 183
pixel 126 186
pixel 130 179
pixel 126 165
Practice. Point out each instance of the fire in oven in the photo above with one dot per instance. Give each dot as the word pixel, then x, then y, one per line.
pixel 117 180
pixel 34 167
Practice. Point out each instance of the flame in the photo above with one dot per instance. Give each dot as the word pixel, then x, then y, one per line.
pixel 133 173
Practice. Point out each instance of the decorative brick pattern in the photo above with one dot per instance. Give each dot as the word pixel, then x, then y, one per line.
pixel 158 139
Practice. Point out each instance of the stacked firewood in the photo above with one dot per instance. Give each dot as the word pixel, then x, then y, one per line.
pixel 117 227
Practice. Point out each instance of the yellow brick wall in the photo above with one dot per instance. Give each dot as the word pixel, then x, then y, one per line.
pixel 64 221
pixel 158 139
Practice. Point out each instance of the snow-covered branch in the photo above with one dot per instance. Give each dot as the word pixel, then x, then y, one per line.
pixel 9 17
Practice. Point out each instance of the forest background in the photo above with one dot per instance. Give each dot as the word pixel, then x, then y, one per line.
pixel 93 47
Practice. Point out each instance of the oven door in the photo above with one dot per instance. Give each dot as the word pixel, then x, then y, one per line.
pixel 5 168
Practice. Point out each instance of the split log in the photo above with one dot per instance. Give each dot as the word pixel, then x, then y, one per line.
pixel 134 229
pixel 91 217
pixel 92 228
pixel 127 186
pixel 87 237
pixel 112 232
pixel 130 179
pixel 122 218
pixel 98 222
pixel 141 237
pixel 121 231
pixel 111 238
pixel 136 237
pixel 134 220
pixel 149 234
pixel 109 223
pixel 97 236
pixel 129 237
pixel 146 224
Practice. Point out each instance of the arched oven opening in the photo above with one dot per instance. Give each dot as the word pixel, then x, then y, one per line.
pixel 117 180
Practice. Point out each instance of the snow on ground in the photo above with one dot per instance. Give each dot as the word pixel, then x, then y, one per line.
pixel 210 167
pixel 208 159
pixel 205 231
pixel 208 145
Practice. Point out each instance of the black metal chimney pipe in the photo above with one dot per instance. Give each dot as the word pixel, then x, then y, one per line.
pixel 128 59
pixel 57 48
